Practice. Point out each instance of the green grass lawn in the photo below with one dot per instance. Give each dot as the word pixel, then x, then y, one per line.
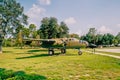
pixel 36 64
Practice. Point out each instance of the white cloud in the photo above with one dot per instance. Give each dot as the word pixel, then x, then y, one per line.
pixel 35 13
pixel 45 2
pixel 70 21
pixel 104 29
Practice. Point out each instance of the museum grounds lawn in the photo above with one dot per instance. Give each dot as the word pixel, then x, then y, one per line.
pixel 36 64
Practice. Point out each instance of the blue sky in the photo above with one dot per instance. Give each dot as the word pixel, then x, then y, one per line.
pixel 79 15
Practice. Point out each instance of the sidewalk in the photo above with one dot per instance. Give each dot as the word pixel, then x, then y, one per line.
pixel 117 57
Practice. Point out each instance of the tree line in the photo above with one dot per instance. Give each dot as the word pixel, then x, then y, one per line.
pixel 48 29
pixel 101 39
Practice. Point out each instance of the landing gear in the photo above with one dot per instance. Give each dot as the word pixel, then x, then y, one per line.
pixel 51 51
pixel 63 50
pixel 79 52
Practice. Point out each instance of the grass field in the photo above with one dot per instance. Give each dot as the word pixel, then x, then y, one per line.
pixel 36 64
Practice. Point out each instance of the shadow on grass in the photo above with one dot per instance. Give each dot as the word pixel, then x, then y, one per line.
pixel 34 56
pixel 19 75
pixel 7 51
pixel 37 50
pixel 72 54
pixel 40 55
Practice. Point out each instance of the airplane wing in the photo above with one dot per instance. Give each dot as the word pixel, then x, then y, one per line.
pixel 47 43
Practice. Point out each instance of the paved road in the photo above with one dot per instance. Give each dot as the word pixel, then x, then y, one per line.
pixel 107 50
pixel 118 57
pixel 110 50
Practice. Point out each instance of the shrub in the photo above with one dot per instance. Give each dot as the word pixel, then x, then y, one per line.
pixel 19 75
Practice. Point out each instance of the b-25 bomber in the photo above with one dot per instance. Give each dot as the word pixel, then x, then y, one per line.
pixel 61 44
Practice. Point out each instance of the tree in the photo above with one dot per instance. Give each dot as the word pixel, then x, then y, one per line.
pixel 54 28
pixel 108 39
pixel 64 29
pixel 99 38
pixel 17 30
pixel 38 42
pixel 49 28
pixel 20 39
pixel 115 41
pixel 91 35
pixel 43 31
pixel 33 32
pixel 26 32
pixel 1 39
pixel 74 36
pixel 83 37
pixel 118 37
pixel 35 43
pixel 11 16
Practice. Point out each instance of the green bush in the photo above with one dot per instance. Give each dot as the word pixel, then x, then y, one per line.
pixel 8 43
pixel 4 74
pixel 19 75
